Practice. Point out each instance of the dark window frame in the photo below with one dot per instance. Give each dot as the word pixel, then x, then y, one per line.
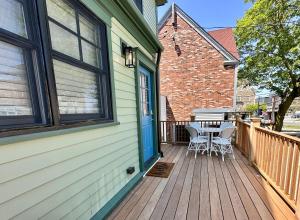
pixel 139 5
pixel 80 10
pixel 46 99
pixel 34 72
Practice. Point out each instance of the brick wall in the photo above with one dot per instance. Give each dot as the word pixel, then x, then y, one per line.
pixel 192 72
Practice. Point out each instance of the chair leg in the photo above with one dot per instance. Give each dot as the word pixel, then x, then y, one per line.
pixel 187 152
pixel 232 152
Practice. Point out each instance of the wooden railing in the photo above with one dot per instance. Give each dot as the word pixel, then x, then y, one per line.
pixel 276 157
pixel 174 132
pixel 243 137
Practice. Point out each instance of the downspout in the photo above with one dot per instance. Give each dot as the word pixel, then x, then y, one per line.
pixel 235 86
pixel 158 102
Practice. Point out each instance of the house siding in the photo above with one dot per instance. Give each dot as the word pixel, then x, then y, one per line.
pixel 193 74
pixel 149 13
pixel 149 7
pixel 73 176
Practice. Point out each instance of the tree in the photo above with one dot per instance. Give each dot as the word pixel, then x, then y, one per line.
pixel 253 107
pixel 268 38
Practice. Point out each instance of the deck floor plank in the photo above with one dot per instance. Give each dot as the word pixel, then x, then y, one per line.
pixel 135 213
pixel 215 201
pixel 242 203
pixel 226 204
pixel 176 192
pixel 258 202
pixel 183 203
pixel 204 210
pixel 203 188
pixel 165 196
pixel 194 202
pixel 148 209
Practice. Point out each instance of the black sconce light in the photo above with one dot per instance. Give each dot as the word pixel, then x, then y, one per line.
pixel 129 54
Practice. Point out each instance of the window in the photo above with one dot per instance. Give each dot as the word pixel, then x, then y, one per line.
pixel 139 5
pixel 78 80
pixel 20 104
pixel 81 79
pixel 145 94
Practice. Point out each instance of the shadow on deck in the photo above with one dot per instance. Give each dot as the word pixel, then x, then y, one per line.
pixel 203 188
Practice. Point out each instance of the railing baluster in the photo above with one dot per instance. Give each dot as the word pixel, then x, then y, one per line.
pixel 295 162
pixel 288 168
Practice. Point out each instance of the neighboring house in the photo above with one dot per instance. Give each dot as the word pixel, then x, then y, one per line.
pixel 78 127
pixel 198 69
pixel 245 96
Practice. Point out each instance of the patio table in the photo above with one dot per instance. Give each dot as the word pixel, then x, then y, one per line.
pixel 210 131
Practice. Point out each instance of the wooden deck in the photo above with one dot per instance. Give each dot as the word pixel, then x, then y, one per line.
pixel 205 188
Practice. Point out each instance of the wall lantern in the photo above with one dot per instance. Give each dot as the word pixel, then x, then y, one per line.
pixel 130 57
pixel 129 54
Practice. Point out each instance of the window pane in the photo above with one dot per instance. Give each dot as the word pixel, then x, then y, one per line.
pixel 64 41
pixel 63 13
pixel 12 17
pixel 88 30
pixel 90 54
pixel 14 92
pixel 76 89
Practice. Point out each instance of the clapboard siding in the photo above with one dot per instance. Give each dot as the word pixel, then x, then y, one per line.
pixel 74 175
pixel 149 13
pixel 149 7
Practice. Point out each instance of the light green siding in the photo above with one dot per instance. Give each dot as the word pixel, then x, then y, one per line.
pixel 74 175
pixel 149 7
pixel 150 15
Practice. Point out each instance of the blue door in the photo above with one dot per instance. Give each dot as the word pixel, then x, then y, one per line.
pixel 147 113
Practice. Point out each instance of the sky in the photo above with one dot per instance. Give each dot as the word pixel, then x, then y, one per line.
pixel 210 13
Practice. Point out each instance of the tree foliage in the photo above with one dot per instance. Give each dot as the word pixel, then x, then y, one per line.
pixel 253 107
pixel 268 38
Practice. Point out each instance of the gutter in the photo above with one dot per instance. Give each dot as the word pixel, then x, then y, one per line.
pixel 158 101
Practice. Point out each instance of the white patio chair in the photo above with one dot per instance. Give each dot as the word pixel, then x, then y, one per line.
pixel 198 127
pixel 222 143
pixel 197 143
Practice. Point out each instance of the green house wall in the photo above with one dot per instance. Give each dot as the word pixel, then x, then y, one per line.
pixel 74 173
pixel 149 7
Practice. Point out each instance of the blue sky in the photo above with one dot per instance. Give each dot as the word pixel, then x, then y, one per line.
pixel 210 13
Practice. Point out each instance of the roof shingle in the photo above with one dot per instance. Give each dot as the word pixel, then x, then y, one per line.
pixel 226 38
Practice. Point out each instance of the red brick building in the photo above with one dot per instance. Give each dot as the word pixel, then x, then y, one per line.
pixel 198 68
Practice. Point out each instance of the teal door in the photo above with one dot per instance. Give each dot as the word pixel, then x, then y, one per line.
pixel 147 113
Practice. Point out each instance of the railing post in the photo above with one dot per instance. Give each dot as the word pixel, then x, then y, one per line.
pixel 237 136
pixel 255 122
pixel 297 210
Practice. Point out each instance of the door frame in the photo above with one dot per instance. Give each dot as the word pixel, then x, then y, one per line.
pixel 144 61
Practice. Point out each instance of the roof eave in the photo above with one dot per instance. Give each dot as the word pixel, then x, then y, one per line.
pixel 231 62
